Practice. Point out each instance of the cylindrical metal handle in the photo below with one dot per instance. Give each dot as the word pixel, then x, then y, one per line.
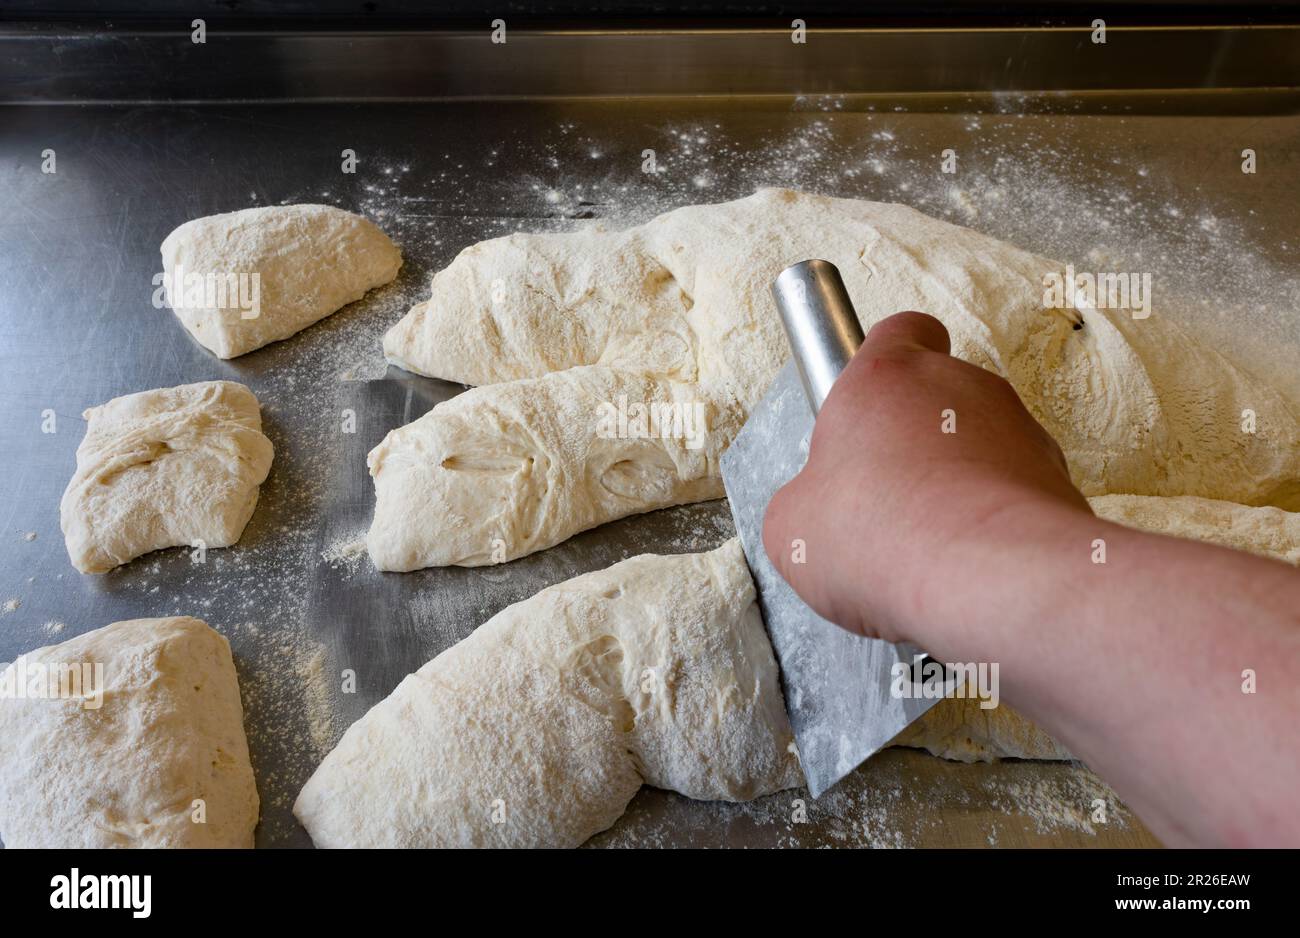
pixel 820 324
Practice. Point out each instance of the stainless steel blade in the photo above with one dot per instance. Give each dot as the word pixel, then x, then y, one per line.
pixel 837 684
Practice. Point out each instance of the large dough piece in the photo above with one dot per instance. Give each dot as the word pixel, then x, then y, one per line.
pixel 552 714
pixel 169 732
pixel 1137 406
pixel 311 260
pixel 164 468
pixel 503 471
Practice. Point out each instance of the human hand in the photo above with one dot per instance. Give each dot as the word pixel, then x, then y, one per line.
pixel 917 460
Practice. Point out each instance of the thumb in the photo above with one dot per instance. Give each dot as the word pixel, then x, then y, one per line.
pixel 784 524
pixel 793 530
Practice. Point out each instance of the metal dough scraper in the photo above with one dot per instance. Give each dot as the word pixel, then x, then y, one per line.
pixel 837 684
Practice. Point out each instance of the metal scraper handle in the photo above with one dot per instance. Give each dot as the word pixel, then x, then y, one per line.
pixel 820 324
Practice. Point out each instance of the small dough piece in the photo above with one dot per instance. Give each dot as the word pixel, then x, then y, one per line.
pixel 553 713
pixel 1137 406
pixel 311 260
pixel 1269 532
pixel 169 732
pixel 164 468
pixel 496 473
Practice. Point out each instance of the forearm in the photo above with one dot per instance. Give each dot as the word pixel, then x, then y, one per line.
pixel 1137 663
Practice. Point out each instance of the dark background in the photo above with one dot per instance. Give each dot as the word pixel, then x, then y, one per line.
pixel 398 13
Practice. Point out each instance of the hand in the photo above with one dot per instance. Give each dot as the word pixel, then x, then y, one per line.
pixel 915 456
pixel 974 545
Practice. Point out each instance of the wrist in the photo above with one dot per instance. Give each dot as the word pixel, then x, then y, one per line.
pixel 1003 576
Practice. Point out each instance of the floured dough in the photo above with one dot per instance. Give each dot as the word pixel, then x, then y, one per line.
pixel 540 727
pixel 311 260
pixel 162 468
pixel 517 467
pixel 1137 406
pixel 540 715
pixel 169 732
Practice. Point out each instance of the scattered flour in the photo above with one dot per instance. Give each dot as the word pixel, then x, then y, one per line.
pixel 347 551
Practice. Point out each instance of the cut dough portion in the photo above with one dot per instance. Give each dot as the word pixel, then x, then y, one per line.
pixel 503 471
pixel 1137 406
pixel 164 468
pixel 540 727
pixel 310 260
pixel 1269 532
pixel 168 732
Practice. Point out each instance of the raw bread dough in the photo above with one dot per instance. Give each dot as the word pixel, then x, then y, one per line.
pixel 162 468
pixel 552 714
pixel 1137 406
pixel 552 322
pixel 170 731
pixel 311 261
pixel 493 470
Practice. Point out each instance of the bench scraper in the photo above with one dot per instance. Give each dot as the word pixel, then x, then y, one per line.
pixel 837 684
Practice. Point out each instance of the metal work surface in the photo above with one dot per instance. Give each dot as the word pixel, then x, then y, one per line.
pixel 79 249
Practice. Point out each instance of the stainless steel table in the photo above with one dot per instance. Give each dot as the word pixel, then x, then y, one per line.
pixel 1127 170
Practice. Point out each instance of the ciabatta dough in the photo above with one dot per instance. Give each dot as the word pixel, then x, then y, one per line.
pixel 540 715
pixel 168 733
pixel 164 468
pixel 540 727
pixel 1138 406
pixel 311 260
pixel 518 467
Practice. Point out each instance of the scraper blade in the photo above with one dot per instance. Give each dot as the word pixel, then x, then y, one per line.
pixel 837 684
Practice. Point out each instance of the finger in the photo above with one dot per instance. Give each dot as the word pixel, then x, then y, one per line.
pixel 781 522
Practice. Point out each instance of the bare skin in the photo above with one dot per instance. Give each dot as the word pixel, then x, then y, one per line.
pixel 976 546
